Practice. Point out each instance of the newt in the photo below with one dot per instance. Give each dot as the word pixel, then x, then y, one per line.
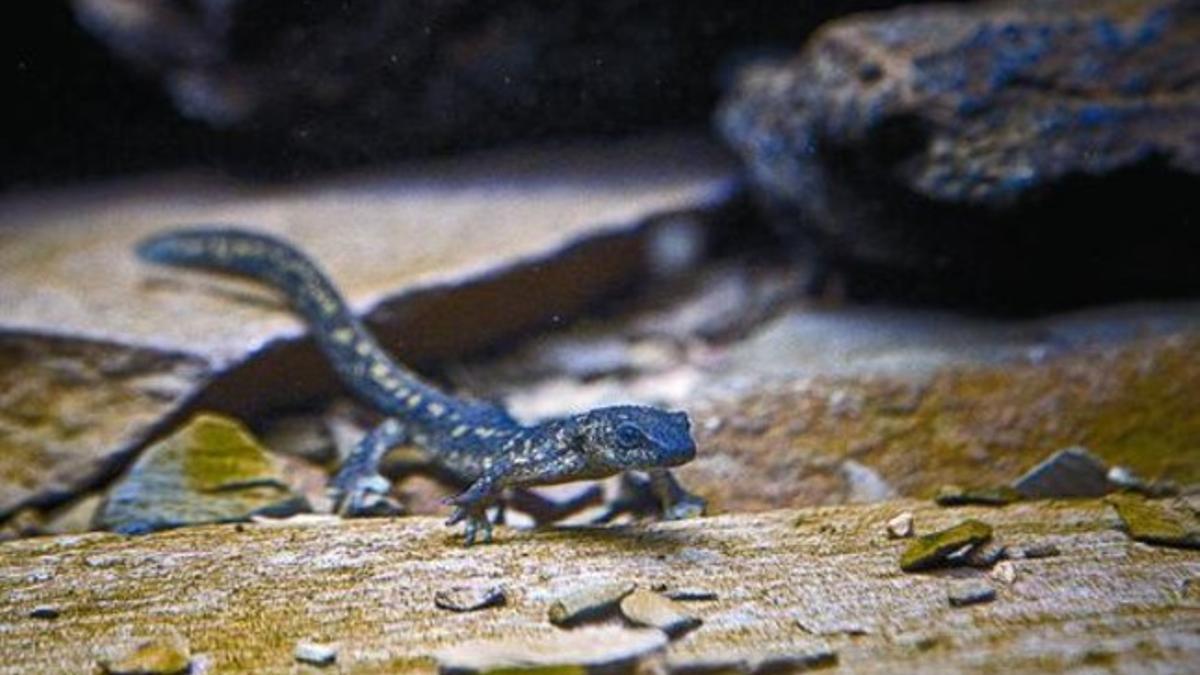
pixel 476 445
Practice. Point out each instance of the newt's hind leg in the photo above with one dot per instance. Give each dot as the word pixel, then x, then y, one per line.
pixel 545 511
pixel 659 495
pixel 359 489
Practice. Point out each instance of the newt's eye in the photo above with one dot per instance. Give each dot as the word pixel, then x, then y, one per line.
pixel 628 436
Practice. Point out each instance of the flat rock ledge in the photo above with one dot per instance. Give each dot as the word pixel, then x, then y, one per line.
pixel 787 585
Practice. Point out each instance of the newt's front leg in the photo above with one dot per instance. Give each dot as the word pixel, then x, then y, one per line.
pixel 472 505
pixel 676 502
pixel 359 489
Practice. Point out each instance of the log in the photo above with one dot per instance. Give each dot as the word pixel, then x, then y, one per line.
pixel 819 584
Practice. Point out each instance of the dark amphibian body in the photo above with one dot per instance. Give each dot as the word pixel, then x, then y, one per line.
pixel 474 445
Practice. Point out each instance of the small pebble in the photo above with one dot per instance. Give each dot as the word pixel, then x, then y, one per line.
pixel 44 612
pixel 315 653
pixel 470 598
pixel 900 527
pixel 689 594
pixel 151 658
pixel 984 556
pixel 953 495
pixel 601 649
pixel 970 593
pixel 588 603
pixel 1004 572
pixel 819 657
pixel 647 608
pixel 935 549
pixel 1123 479
pixel 1035 551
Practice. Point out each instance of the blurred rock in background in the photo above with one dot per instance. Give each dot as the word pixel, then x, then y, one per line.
pixel 1047 152
pixel 287 87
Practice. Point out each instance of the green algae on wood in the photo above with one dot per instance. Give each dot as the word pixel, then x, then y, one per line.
pixel 932 550
pixel 212 470
pixel 1155 522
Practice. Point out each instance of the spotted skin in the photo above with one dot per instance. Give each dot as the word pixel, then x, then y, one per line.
pixel 478 445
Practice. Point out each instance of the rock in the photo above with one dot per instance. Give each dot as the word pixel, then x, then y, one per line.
pixel 1123 478
pixel 304 436
pixel 1004 572
pixel 900 527
pixel 687 594
pixel 1035 551
pixel 934 549
pixel 72 409
pixel 1155 522
pixel 823 657
pixel 865 484
pixel 79 516
pixel 817 658
pixel 437 75
pixel 1071 472
pixel 314 653
pixel 589 602
pixel 210 471
pixel 602 649
pixel 983 556
pixel 470 598
pixel 953 495
pixel 970 593
pixel 23 523
pixel 98 349
pixel 44 612
pixel 929 148
pixel 156 657
pixel 647 608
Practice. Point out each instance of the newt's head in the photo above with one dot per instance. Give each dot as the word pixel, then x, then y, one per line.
pixel 636 437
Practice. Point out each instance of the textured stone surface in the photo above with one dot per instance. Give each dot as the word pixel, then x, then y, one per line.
pixel 949 142
pixel 929 400
pixel 243 596
pixel 97 348
pixel 210 471
pixel 72 409
pixel 353 83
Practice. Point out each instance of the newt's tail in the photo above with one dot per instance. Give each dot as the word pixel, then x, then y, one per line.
pixel 355 354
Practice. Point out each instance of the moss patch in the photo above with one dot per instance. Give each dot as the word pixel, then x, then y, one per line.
pixel 932 550
pixel 1155 522
pixel 211 470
